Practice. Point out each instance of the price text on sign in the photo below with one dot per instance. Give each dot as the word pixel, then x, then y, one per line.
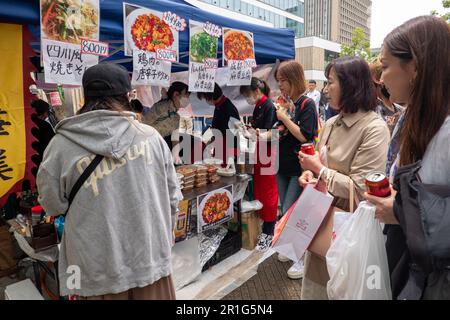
pixel 211 63
pixel 250 63
pixel 174 21
pixel 212 29
pixel 167 55
pixel 94 47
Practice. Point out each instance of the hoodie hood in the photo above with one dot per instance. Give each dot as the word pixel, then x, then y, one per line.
pixel 107 133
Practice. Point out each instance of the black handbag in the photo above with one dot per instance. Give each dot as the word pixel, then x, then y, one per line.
pixel 423 211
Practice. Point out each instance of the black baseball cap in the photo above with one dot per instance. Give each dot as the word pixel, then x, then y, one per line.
pixel 106 79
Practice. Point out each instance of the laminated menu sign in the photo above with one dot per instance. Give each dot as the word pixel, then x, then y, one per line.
pixel 64 63
pixel 214 208
pixel 202 58
pixel 237 45
pixel 147 70
pixel 64 23
pixel 151 31
pixel 240 73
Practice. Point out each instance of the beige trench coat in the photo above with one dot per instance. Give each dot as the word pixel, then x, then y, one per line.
pixel 356 144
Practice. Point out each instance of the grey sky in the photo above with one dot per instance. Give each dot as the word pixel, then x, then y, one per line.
pixel 388 14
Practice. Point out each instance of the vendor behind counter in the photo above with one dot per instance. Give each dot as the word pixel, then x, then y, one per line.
pixel 163 116
pixel 223 111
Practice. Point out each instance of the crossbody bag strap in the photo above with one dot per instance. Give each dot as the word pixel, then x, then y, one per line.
pixel 82 179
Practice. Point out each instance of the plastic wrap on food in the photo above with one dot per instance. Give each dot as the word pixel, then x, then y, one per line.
pixel 209 243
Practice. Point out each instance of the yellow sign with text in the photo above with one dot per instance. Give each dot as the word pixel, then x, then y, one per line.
pixel 12 114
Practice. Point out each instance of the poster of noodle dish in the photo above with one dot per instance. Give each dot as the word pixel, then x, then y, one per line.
pixel 70 20
pixel 147 30
pixel 64 23
pixel 215 208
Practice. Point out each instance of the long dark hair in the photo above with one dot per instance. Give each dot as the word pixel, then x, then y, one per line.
pixel 256 84
pixel 111 103
pixel 357 88
pixel 425 41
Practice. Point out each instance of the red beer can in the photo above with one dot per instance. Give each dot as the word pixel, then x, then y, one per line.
pixel 378 185
pixel 308 148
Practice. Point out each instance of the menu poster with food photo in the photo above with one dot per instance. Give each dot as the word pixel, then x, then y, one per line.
pixel 202 58
pixel 64 23
pixel 239 56
pixel 214 208
pixel 237 45
pixel 146 30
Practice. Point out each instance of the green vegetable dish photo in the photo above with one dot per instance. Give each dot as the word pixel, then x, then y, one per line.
pixel 203 46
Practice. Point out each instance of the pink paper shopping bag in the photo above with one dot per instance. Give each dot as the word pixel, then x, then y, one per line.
pixel 300 224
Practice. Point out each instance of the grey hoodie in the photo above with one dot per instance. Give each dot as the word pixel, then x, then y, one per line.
pixel 118 231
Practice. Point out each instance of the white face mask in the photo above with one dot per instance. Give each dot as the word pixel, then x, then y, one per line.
pixel 184 102
pixel 251 101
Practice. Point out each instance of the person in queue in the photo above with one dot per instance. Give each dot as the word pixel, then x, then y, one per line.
pixel 414 55
pixel 388 110
pixel 265 183
pixel 352 145
pixel 120 240
pixel 301 128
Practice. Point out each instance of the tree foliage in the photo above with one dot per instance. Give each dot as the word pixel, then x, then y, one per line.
pixel 446 15
pixel 359 47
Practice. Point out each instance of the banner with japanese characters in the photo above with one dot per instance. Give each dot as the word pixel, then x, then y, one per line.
pixel 12 116
pixel 147 70
pixel 203 43
pixel 64 25
pixel 239 55
pixel 152 31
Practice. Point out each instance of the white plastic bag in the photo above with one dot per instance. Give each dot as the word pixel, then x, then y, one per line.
pixel 357 259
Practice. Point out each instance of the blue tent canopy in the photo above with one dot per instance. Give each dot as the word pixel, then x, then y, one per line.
pixel 270 43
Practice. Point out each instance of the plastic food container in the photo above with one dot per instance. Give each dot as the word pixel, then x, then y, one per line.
pixel 187 171
pixel 201 169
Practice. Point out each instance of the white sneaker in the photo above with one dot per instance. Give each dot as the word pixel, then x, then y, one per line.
pixel 296 271
pixel 264 242
pixel 282 258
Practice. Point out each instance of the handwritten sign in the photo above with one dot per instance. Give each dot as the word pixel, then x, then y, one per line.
pixel 240 74
pixel 64 63
pixel 55 99
pixel 97 48
pixel 201 79
pixel 166 55
pixel 174 21
pixel 147 70
pixel 212 29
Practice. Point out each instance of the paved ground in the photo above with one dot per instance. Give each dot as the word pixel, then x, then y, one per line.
pixel 270 283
